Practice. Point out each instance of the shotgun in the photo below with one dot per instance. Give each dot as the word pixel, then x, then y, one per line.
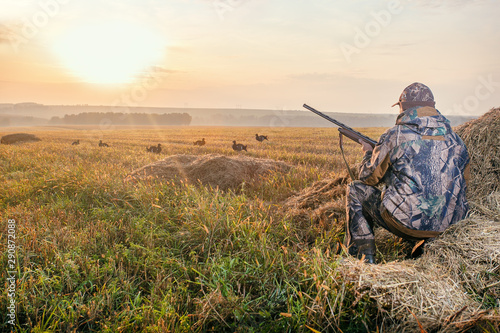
pixel 344 129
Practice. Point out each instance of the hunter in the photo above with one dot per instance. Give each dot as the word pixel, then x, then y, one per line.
pixel 422 165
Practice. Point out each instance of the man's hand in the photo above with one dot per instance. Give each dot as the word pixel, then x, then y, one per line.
pixel 365 146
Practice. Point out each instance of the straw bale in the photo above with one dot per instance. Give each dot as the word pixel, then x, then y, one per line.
pixel 213 170
pixel 410 294
pixel 318 209
pixel 445 289
pixel 469 251
pixel 454 286
pixel 325 198
pixel 482 138
pixel 17 138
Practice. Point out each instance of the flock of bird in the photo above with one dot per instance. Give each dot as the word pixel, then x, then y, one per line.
pixel 202 142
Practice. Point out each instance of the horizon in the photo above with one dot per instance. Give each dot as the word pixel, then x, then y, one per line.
pixel 120 109
pixel 353 57
pixel 30 114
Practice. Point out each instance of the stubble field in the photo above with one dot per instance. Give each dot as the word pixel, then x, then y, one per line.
pixel 97 254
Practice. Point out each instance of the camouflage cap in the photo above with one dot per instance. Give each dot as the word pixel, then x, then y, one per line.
pixel 416 94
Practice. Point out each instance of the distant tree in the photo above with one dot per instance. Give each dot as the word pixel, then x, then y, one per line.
pixel 118 118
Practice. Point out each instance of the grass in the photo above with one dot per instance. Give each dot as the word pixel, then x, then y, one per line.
pixel 95 254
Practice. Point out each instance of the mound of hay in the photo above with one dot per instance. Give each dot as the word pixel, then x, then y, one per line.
pixel 452 287
pixel 482 138
pixel 470 251
pixel 319 208
pixel 324 199
pixel 214 170
pixel 410 295
pixel 448 288
pixel 10 139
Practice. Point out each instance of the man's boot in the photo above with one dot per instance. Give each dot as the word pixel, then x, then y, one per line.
pixel 366 248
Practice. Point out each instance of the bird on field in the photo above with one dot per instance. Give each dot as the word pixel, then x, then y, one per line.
pixel 200 142
pixel 154 149
pixel 77 142
pixel 261 138
pixel 239 147
pixel 103 144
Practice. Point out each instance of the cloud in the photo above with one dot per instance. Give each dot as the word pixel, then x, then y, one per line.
pixel 157 71
pixel 5 32
pixel 163 70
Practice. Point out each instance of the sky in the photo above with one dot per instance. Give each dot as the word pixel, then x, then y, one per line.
pixel 340 56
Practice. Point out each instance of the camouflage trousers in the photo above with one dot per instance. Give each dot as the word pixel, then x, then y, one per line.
pixel 363 212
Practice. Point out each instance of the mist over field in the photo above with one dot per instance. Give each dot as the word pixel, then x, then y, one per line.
pixel 32 114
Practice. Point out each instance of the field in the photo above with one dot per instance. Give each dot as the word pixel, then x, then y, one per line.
pixel 97 254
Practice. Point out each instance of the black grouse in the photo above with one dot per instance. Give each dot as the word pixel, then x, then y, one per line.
pixel 200 142
pixel 261 138
pixel 239 147
pixel 154 149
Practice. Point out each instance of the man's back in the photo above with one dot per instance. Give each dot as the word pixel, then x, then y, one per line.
pixel 422 162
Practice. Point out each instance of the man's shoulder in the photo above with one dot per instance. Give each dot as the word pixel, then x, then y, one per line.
pixel 394 131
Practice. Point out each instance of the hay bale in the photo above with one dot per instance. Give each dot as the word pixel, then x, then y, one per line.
pixel 482 138
pixel 448 288
pixel 318 208
pixel 444 290
pixel 408 294
pixel 16 138
pixel 453 286
pixel 469 251
pixel 226 173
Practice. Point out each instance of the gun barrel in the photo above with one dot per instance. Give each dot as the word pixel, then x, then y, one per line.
pixel 321 114
pixel 343 126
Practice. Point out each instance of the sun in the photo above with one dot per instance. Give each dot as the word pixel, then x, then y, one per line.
pixel 108 52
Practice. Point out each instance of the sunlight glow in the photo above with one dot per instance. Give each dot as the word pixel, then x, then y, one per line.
pixel 109 53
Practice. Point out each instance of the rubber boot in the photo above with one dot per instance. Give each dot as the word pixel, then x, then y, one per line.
pixel 366 248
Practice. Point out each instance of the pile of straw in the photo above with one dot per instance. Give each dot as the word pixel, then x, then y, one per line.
pixel 226 173
pixel 454 286
pixel 17 138
pixel 318 209
pixel 323 200
pixel 469 251
pixel 482 138
pixel 410 295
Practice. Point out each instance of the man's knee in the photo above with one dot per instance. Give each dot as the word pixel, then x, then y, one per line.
pixel 358 190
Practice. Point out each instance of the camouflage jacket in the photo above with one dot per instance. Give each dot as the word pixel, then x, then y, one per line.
pixel 422 163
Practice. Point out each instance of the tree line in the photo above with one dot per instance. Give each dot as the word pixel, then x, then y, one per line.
pixel 95 118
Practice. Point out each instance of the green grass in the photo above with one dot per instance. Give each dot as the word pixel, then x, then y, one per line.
pixel 96 254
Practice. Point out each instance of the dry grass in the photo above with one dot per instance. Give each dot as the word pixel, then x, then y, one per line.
pixel 214 170
pixel 482 138
pixel 100 254
pixel 448 288
pixel 454 286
